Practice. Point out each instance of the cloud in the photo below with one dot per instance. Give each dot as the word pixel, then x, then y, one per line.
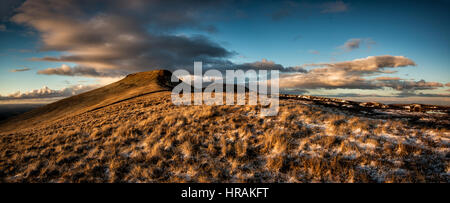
pixel 408 85
pixel 334 7
pixel 265 64
pixel 79 71
pixel 386 78
pixel 352 75
pixel 46 92
pixel 7 8
pixel 370 63
pixel 351 44
pixel 352 95
pixel 403 100
pixel 122 35
pixel 420 94
pixel 294 91
pixel 345 75
pixel 398 95
pixel 295 69
pixel 356 43
pixel 20 70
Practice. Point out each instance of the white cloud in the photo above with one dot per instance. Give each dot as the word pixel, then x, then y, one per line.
pixel 352 75
pixel 46 92
pixel 80 71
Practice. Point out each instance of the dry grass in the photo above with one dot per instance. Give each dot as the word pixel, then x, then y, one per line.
pixel 147 139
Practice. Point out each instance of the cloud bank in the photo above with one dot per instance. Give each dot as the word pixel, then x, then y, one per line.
pixel 353 75
pixel 46 92
pixel 79 71
pixel 265 64
pixel 127 36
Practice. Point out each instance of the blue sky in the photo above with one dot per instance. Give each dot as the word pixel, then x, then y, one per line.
pixel 290 33
pixel 420 32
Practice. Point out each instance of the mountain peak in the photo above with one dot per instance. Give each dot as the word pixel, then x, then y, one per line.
pixel 161 77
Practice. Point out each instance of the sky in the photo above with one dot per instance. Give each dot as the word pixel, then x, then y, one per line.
pixel 389 51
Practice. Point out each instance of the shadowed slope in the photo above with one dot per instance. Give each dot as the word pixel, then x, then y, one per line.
pixel 134 85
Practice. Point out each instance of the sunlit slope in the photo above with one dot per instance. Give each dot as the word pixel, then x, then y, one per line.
pixel 132 86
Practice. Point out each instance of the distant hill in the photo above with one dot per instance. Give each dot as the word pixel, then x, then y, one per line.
pixel 10 110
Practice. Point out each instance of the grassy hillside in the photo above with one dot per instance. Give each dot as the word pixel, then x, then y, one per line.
pixel 131 132
pixel 132 86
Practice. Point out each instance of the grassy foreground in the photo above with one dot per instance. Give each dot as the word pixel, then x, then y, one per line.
pixel 148 139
